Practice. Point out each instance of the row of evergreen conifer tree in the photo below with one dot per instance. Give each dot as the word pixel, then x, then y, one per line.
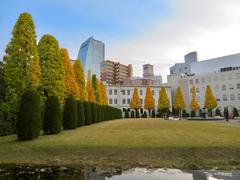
pixel 55 118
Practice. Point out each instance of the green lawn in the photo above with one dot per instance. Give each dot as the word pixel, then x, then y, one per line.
pixel 152 143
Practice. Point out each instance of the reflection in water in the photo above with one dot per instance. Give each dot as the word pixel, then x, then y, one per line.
pixel 133 174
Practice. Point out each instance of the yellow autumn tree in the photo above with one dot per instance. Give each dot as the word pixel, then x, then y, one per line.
pixel 71 87
pixel 163 101
pixel 149 102
pixel 89 89
pixel 98 89
pixel 103 94
pixel 210 100
pixel 179 103
pixel 80 79
pixel 135 102
pixel 194 105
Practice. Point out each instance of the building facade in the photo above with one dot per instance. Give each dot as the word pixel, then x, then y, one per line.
pixel 119 96
pixel 225 85
pixel 184 68
pixel 115 72
pixel 91 54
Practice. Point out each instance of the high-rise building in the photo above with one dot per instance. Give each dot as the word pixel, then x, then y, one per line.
pixel 184 68
pixel 91 54
pixel 115 72
pixel 148 71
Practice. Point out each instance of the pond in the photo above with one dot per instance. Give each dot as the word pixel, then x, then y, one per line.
pixel 132 174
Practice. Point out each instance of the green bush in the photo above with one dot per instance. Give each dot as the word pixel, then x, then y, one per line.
pixel 153 114
pixel 94 112
pixel 29 115
pixel 235 112
pixel 137 113
pixel 70 113
pixel 87 113
pixel 226 113
pixel 218 112
pixel 52 122
pixel 144 114
pixel 81 115
pixel 193 113
pixel 126 113
pixel 132 114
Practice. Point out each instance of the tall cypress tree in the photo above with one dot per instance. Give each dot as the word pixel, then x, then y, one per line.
pixel 21 69
pixel 71 87
pixel 52 68
pixel 95 88
pixel 80 79
pixel 87 113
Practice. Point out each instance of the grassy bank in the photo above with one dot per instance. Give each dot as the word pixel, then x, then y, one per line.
pixel 127 143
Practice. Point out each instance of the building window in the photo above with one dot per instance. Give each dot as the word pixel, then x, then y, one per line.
pixel 203 80
pixel 238 96
pixel 231 87
pixel 115 101
pixel 232 97
pixel 141 92
pixel 153 92
pixel 123 92
pixel 197 90
pixel 128 101
pixel 216 88
pixel 197 81
pixel 128 92
pixel 141 101
pixel 238 86
pixel 110 101
pixel 123 101
pixel 224 87
pixel 115 91
pixel 224 97
pixel 110 92
pixel 191 81
pixel 218 98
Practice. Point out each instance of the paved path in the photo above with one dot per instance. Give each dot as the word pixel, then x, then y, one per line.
pixel 231 121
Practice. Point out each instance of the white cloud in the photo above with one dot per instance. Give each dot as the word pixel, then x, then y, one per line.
pixel 211 27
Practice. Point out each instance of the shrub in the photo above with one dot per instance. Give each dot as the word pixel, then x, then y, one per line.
pixel 185 114
pixel 153 114
pixel 193 113
pixel 235 112
pixel 137 113
pixel 81 115
pixel 52 122
pixel 87 113
pixel 218 112
pixel 70 113
pixel 160 113
pixel 29 115
pixel 126 113
pixel 132 114
pixel 226 113
pixel 94 112
pixel 144 114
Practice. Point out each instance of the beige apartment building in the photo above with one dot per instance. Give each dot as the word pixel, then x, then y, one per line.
pixel 115 72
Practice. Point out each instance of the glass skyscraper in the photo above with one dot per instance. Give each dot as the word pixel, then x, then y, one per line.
pixel 91 54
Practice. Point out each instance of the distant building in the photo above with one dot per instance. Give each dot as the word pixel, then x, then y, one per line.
pixel 119 96
pixel 91 54
pixel 115 72
pixel 225 85
pixel 148 78
pixel 184 68
pixel 148 71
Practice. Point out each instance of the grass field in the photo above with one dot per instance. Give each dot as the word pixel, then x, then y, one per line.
pixel 129 143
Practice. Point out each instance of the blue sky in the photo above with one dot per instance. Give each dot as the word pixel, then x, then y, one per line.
pixel 73 21
pixel 159 32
